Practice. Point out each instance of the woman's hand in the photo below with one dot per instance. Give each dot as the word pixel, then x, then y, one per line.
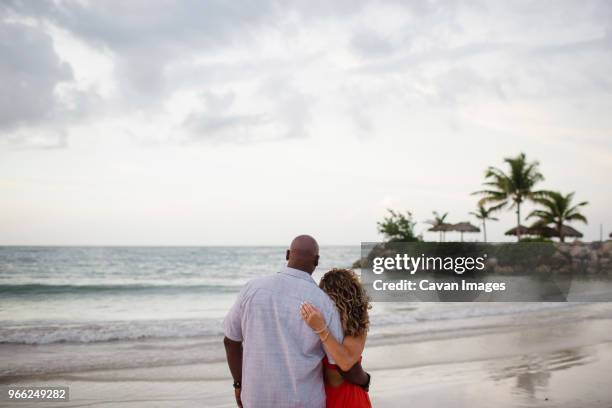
pixel 312 317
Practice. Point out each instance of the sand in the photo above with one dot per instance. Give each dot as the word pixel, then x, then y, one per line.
pixel 531 362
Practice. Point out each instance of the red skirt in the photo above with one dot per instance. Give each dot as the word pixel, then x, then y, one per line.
pixel 346 395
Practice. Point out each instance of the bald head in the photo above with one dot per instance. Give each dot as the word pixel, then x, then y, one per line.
pixel 303 254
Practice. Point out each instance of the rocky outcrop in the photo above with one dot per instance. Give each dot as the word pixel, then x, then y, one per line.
pixel 593 258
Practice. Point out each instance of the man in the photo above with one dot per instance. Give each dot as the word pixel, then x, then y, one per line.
pixel 274 357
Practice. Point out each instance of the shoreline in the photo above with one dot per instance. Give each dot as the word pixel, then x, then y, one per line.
pixel 49 359
pixel 567 360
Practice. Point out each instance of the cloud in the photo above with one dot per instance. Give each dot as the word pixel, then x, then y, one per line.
pixel 217 121
pixel 290 106
pixel 38 92
pixel 371 44
pixel 30 71
pixel 276 109
pixel 370 95
pixel 205 126
pixel 155 47
pixel 146 37
pixel 278 60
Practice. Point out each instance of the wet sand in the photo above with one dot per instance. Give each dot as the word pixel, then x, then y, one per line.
pixel 564 363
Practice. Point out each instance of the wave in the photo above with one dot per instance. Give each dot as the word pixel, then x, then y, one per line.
pixel 108 331
pixel 427 312
pixel 51 289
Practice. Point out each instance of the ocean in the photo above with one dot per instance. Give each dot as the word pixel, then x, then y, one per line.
pixel 138 306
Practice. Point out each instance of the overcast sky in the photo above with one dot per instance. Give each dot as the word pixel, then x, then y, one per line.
pixel 222 122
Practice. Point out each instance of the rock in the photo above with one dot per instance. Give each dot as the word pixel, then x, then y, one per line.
pixel 504 269
pixel 544 269
pixel 565 269
pixel 605 266
pixel 492 263
pixel 579 252
pixel 577 263
pixel 606 248
pixel 558 259
pixel 564 248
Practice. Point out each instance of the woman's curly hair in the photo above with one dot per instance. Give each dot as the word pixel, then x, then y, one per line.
pixel 351 299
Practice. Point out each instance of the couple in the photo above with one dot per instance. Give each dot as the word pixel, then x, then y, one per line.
pixel 291 343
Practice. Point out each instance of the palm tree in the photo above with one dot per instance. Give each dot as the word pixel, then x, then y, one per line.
pixel 557 210
pixel 438 221
pixel 484 214
pixel 513 188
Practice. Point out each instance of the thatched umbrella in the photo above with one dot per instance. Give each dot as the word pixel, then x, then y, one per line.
pixel 549 232
pixel 523 231
pixel 542 231
pixel 441 228
pixel 462 227
pixel 570 232
pixel 546 231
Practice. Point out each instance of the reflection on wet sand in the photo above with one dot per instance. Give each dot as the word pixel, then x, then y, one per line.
pixel 533 372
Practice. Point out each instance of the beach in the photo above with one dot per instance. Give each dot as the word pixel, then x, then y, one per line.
pixel 173 174
pixel 141 327
pixel 559 357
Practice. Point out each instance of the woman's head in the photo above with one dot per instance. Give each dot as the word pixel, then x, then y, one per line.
pixel 344 288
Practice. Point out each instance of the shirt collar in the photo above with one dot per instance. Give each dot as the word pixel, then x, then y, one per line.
pixel 296 273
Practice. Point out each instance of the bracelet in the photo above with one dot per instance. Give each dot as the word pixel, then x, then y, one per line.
pixel 322 330
pixel 326 337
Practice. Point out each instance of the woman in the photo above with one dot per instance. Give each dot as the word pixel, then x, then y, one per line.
pixel 344 288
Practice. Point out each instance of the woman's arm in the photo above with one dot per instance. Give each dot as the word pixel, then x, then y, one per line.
pixel 344 354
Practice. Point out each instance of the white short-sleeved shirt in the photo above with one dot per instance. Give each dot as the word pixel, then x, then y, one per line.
pixel 282 356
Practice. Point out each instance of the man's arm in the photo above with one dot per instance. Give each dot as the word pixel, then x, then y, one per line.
pixel 233 351
pixel 357 375
pixel 232 327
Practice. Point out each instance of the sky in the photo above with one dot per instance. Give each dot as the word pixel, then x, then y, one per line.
pixel 247 123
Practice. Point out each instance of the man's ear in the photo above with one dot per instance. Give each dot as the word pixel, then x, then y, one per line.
pixel 287 255
pixel 316 261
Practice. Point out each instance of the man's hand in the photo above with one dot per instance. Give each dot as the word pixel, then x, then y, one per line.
pixel 237 392
pixel 357 375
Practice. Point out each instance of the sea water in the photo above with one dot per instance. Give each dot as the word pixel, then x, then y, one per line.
pixel 146 302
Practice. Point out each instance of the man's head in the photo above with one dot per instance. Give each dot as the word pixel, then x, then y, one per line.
pixel 303 254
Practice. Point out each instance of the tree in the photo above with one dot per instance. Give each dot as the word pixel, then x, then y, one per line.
pixel 558 210
pixel 513 188
pixel 398 227
pixel 438 222
pixel 484 214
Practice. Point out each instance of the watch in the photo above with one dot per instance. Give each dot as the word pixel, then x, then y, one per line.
pixel 237 384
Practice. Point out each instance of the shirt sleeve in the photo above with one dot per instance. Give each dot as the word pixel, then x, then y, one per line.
pixel 232 324
pixel 335 329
